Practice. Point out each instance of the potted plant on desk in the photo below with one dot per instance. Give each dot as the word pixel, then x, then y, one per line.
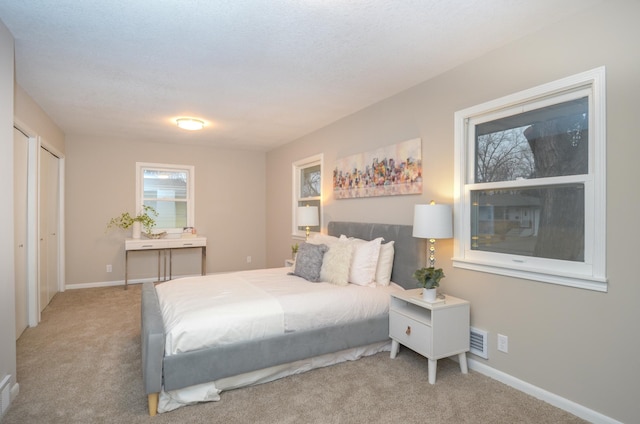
pixel 429 280
pixel 143 219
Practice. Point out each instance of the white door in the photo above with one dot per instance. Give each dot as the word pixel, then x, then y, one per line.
pixel 52 226
pixel 48 211
pixel 20 169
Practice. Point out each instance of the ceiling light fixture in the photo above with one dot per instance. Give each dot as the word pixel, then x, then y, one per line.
pixel 190 124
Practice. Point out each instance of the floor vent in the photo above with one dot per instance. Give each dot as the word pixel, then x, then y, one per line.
pixel 5 394
pixel 479 343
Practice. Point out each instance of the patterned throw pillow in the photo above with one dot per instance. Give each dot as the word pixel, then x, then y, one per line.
pixel 309 261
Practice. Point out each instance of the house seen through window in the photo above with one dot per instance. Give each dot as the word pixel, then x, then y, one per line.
pixel 548 142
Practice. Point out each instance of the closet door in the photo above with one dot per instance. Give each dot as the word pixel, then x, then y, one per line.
pixel 20 169
pixel 49 189
pixel 52 225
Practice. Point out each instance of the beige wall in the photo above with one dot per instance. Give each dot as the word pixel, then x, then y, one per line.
pixel 100 184
pixel 578 344
pixel 7 288
pixel 30 115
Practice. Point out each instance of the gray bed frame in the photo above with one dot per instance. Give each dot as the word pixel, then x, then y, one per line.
pixel 206 365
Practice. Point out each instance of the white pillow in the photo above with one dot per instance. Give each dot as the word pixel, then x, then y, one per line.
pixel 364 261
pixel 385 263
pixel 319 238
pixel 336 263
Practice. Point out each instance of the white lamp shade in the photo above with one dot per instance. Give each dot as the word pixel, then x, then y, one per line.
pixel 432 221
pixel 308 216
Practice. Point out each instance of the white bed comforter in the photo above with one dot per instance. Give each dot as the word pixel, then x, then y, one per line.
pixel 200 312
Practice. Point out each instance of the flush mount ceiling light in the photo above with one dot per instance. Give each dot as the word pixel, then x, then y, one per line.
pixel 190 124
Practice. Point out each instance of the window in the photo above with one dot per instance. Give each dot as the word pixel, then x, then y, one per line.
pixel 530 184
pixel 307 190
pixel 169 190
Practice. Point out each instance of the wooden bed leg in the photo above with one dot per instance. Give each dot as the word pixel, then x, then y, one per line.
pixel 153 404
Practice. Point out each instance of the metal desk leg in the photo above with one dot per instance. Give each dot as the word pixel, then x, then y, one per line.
pixel 204 260
pixel 159 252
pixel 126 268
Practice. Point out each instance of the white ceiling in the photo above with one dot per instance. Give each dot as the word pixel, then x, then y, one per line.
pixel 261 73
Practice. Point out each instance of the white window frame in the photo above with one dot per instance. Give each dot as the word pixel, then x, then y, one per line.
pixel 191 182
pixel 590 274
pixel 296 168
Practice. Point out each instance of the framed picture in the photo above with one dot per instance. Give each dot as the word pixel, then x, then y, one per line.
pixel 387 171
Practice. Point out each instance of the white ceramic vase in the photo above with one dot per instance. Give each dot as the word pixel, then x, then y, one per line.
pixel 136 230
pixel 429 294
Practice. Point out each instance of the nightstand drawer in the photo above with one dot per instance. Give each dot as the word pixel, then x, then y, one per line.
pixel 409 332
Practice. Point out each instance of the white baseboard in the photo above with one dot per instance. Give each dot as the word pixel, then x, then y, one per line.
pixel 118 282
pixel 105 284
pixel 551 398
pixel 14 391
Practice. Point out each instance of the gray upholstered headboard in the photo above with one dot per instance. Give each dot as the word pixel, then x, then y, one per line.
pixel 410 252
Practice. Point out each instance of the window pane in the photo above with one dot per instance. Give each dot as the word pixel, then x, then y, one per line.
pixel 310 182
pixel 545 222
pixel 170 214
pixel 548 142
pixel 160 184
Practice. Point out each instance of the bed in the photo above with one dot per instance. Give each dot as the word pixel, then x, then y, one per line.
pixel 169 367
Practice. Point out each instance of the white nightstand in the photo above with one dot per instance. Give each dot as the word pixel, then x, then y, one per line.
pixel 436 331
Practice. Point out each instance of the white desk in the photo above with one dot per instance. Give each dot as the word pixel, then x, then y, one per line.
pixel 163 246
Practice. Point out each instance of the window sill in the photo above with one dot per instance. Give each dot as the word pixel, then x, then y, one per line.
pixel 300 237
pixel 581 282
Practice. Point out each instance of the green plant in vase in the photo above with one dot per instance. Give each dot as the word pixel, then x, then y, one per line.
pixel 429 278
pixel 125 220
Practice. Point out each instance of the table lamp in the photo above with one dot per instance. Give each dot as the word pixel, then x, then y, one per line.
pixel 307 217
pixel 432 222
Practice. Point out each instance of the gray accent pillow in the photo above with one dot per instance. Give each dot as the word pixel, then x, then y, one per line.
pixel 309 261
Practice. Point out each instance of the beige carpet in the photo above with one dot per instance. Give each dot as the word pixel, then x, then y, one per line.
pixel 82 365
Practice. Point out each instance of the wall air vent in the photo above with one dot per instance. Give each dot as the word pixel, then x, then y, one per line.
pixel 479 343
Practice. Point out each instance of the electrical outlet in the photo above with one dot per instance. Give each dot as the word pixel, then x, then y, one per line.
pixel 503 343
pixel 248 259
pixel 109 268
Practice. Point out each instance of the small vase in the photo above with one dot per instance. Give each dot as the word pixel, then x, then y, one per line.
pixel 429 295
pixel 136 230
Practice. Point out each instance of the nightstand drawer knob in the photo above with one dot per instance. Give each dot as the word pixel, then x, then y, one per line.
pixel 408 332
